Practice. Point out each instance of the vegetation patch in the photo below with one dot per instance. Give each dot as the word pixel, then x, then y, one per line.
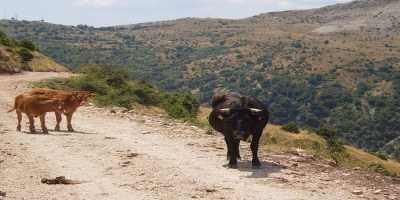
pixel 113 87
pixel 291 127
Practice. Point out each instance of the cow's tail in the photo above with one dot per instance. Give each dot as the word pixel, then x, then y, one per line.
pixel 14 108
pixel 11 109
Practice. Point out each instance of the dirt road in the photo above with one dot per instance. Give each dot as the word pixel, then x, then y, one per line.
pixel 136 157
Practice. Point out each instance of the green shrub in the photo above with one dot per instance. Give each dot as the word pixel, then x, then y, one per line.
pixel 335 146
pixel 291 127
pixel 379 155
pixel 6 41
pixel 28 45
pixel 25 54
pixel 113 87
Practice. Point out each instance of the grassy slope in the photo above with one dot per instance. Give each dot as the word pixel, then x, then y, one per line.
pixel 10 62
pixel 277 140
pixel 17 56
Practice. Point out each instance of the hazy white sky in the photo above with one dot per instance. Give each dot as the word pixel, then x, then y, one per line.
pixel 114 12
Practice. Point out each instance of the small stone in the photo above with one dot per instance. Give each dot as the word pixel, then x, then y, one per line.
pixel 357 168
pixel 298 159
pixel 391 197
pixel 3 194
pixel 357 192
pixel 124 164
pixel 377 191
pixel 131 155
pixel 210 190
pixel 145 132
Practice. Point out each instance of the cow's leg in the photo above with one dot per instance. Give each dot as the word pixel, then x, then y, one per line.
pixel 228 153
pixel 58 119
pixel 233 153
pixel 69 124
pixel 237 144
pixel 19 118
pixel 43 123
pixel 31 123
pixel 254 149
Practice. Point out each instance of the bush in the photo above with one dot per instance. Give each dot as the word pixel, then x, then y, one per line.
pixel 379 155
pixel 113 87
pixel 6 41
pixel 28 45
pixel 25 54
pixel 291 127
pixel 336 148
pixel 376 167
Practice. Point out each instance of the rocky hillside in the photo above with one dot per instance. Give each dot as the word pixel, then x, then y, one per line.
pixel 336 66
pixel 17 56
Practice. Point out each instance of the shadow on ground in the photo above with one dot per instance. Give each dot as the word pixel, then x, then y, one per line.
pixel 263 171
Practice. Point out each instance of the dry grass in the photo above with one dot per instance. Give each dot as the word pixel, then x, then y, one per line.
pixel 10 62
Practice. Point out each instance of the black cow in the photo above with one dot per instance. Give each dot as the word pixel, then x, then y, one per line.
pixel 238 117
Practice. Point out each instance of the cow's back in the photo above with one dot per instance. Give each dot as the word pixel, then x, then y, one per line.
pixel 70 103
pixel 35 105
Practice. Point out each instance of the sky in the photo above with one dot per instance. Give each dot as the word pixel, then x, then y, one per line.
pixel 120 12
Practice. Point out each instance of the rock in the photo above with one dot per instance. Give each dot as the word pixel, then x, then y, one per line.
pixel 3 194
pixel 109 138
pixel 297 159
pixel 346 174
pixel 125 164
pixel 113 111
pixel 332 163
pixel 377 191
pixel 357 168
pixel 357 192
pixel 59 180
pixel 131 155
pixel 210 190
pixel 124 111
pixel 145 132
pixel 326 179
pixel 391 197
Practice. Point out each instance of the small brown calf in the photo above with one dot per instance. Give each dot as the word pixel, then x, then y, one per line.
pixel 35 106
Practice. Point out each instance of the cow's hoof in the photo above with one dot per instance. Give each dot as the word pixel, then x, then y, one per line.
pixel 256 164
pixel 19 129
pixel 57 128
pixel 239 158
pixel 233 166
pixel 45 132
pixel 71 130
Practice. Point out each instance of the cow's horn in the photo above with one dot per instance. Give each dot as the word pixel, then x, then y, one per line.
pixel 224 110
pixel 256 110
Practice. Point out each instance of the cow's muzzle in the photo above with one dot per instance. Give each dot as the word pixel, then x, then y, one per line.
pixel 239 135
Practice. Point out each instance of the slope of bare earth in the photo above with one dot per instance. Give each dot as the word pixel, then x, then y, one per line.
pixel 131 156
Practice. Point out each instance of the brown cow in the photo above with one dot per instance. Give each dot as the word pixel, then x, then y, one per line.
pixel 35 106
pixel 71 100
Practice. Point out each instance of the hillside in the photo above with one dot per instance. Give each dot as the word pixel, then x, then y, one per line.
pixel 336 66
pixel 17 56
